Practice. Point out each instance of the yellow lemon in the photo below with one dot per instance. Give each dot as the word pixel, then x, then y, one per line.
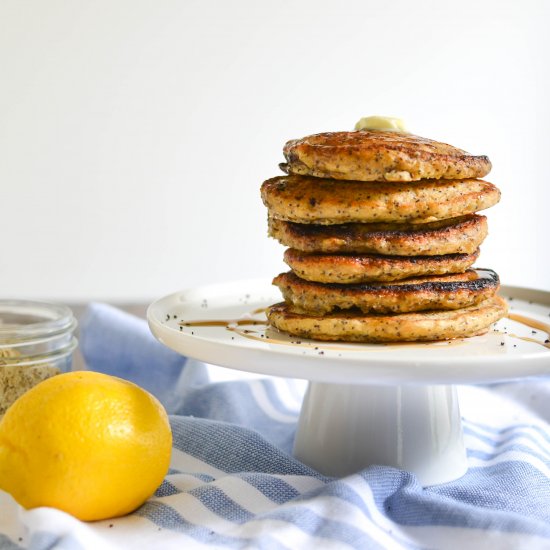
pixel 84 442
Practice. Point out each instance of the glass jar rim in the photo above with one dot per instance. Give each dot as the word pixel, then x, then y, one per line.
pixel 22 320
pixel 44 358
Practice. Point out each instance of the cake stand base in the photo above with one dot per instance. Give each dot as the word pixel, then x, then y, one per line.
pixel 344 428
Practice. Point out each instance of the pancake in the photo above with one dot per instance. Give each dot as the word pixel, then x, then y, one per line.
pixel 366 268
pixel 369 155
pixel 355 326
pixel 305 199
pixel 416 294
pixel 461 235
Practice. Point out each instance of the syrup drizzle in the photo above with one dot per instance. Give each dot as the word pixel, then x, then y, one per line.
pixel 228 323
pixel 532 323
pixel 233 325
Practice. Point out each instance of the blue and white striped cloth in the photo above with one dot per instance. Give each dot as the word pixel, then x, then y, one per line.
pixel 234 484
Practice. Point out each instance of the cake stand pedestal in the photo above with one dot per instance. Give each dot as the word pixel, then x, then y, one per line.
pixel 344 427
pixel 394 405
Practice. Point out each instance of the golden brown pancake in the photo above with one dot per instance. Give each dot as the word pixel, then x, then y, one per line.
pixel 369 155
pixel 461 235
pixel 366 268
pixel 305 199
pixel 416 294
pixel 355 326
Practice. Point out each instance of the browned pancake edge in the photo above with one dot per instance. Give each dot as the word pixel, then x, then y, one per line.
pixel 355 326
pixel 353 268
pixel 452 291
pixel 368 155
pixel 462 235
pixel 306 200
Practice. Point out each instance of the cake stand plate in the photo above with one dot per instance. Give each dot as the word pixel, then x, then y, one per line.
pixel 391 404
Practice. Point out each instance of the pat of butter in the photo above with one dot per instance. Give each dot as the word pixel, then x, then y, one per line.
pixel 383 123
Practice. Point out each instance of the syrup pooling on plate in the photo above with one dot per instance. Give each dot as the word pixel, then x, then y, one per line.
pixel 534 324
pixel 528 321
pixel 228 323
pixel 234 325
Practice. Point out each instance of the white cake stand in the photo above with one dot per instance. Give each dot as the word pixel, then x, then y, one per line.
pixel 366 404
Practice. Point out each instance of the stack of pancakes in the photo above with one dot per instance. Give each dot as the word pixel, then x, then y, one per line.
pixel 382 229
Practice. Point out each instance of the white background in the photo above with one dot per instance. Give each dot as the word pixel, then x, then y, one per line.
pixel 134 135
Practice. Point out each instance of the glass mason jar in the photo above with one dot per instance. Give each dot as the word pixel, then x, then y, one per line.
pixel 36 342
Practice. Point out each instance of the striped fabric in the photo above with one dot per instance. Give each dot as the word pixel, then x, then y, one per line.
pixel 234 484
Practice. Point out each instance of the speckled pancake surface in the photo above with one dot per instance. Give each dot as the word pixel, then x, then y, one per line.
pixel 460 235
pixel 305 199
pixel 452 291
pixel 369 155
pixel 355 326
pixel 365 268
